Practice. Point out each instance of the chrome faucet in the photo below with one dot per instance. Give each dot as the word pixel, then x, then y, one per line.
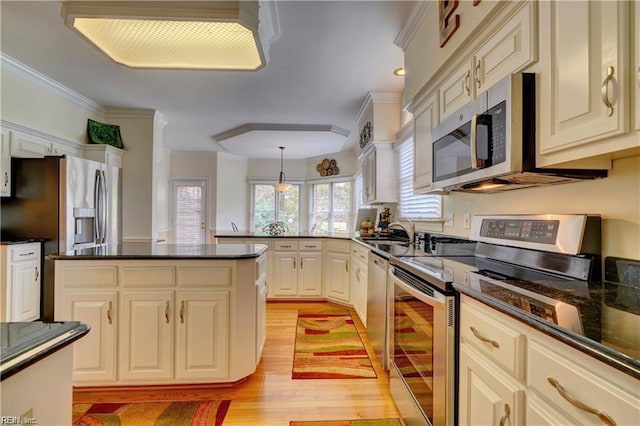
pixel 410 230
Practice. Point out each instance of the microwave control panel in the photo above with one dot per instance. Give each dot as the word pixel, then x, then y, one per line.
pixel 535 231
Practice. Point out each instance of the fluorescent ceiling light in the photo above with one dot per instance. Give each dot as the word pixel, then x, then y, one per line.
pixel 218 35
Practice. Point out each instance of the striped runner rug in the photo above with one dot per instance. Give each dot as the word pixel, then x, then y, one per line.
pixel 328 346
pixel 358 422
pixel 170 413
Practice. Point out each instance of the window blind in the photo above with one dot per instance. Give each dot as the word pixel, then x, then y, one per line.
pixel 412 206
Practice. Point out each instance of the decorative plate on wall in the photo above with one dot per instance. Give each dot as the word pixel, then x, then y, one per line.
pixel 327 167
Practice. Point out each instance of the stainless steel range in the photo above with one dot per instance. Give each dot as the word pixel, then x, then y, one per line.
pixel 549 262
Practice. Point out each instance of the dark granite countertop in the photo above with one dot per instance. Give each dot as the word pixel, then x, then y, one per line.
pixel 284 235
pixel 165 251
pixel 595 335
pixel 12 241
pixel 25 343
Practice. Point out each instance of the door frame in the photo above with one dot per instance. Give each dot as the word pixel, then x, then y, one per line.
pixel 205 184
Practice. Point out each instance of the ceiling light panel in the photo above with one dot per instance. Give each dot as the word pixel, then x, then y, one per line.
pixel 200 35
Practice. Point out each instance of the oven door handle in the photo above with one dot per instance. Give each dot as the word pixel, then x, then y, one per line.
pixel 438 299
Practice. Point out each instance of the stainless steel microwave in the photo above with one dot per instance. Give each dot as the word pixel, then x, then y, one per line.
pixel 489 145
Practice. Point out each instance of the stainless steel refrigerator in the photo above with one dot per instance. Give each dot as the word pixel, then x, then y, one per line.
pixel 70 202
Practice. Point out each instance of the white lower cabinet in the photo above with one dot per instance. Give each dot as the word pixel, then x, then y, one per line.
pixel 510 371
pixel 359 267
pixel 94 356
pixel 202 334
pixel 20 282
pixel 338 277
pixel 297 269
pixel 164 322
pixel 488 396
pixel 146 339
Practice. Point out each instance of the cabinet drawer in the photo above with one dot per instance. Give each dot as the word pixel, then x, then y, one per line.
pixel 205 276
pixel 338 246
pixel 359 252
pixel 576 381
pixel 310 245
pixel 89 276
pixel 23 252
pixel 481 326
pixel 148 276
pixel 285 245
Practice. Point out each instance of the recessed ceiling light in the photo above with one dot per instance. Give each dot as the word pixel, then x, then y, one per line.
pixel 399 72
pixel 172 34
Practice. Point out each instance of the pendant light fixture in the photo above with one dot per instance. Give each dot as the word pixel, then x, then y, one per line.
pixel 282 186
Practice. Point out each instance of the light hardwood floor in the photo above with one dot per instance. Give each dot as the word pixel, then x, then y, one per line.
pixel 270 397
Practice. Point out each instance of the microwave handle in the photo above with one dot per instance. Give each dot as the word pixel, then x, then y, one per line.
pixel 476 163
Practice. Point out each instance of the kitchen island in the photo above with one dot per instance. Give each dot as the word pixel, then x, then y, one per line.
pixel 164 313
pixel 35 367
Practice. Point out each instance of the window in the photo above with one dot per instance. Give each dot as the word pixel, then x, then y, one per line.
pixel 271 206
pixel 412 206
pixel 331 212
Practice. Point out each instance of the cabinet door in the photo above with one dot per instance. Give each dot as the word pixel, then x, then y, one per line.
pixel 369 177
pixel 338 276
pixel 94 355
pixel 635 80
pixel 511 49
pixel 25 291
pixel 5 164
pixel 261 315
pixel 586 63
pixel 310 274
pixel 285 274
pixel 146 344
pixel 423 122
pixel 457 91
pixel 26 146
pixel 202 338
pixel 488 396
pixel 359 288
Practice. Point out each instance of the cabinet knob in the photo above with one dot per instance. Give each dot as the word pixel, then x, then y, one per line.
pixel 6 179
pixel 36 275
pixel 467 80
pixel 606 98
pixel 294 263
pixel 604 418
pixel 109 320
pixel 477 74
pixel 182 312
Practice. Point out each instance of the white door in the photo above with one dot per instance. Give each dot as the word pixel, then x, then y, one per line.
pixel 189 211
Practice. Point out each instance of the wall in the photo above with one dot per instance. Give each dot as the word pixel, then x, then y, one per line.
pixel 34 101
pixel 616 199
pixel 138 129
pixel 232 193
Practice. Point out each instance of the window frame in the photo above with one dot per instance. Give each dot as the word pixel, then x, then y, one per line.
pixel 331 182
pixel 254 182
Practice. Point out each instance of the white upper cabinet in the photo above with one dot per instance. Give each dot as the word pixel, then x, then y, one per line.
pixel 424 118
pixel 5 164
pixel 379 175
pixel 508 50
pixel 583 95
pixel 635 80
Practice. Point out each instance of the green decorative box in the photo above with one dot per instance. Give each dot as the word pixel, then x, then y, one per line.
pixel 105 134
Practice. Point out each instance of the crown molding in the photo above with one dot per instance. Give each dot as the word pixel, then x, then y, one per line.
pixel 249 127
pixel 410 27
pixel 40 135
pixel 377 98
pixel 141 113
pixel 15 67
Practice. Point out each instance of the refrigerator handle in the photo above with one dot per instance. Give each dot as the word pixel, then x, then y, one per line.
pixel 96 205
pixel 103 207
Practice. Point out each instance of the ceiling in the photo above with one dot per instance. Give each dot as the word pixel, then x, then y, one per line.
pixel 328 55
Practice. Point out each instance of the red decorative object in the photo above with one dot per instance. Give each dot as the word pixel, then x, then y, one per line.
pixel 449 22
